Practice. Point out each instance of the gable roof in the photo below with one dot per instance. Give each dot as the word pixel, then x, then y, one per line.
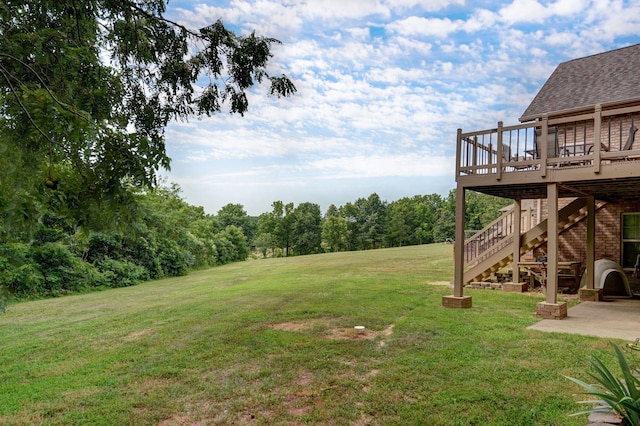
pixel 606 78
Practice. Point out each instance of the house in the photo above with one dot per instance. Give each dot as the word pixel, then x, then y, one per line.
pixel 572 168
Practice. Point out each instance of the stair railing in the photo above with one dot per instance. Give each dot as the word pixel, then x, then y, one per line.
pixel 489 240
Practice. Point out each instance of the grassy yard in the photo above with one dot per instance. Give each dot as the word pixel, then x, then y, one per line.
pixel 272 342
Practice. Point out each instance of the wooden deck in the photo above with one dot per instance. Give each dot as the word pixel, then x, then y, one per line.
pixel 518 161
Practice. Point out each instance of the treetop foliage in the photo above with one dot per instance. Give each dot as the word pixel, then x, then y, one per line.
pixel 87 88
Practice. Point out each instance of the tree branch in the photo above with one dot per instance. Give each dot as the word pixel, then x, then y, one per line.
pixel 7 78
pixel 45 86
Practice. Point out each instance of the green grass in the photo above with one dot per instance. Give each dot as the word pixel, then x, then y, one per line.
pixel 272 342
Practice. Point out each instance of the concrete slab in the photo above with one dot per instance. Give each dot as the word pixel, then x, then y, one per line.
pixel 616 318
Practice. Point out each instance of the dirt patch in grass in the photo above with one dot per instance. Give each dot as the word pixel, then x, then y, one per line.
pixel 192 416
pixel 291 326
pixel 137 334
pixel 334 333
pixel 447 283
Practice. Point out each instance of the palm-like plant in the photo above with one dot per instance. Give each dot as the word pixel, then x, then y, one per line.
pixel 621 396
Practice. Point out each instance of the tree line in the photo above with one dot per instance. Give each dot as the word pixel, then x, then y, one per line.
pixel 165 236
pixel 367 223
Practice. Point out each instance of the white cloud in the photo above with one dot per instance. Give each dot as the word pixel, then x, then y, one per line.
pixel 525 11
pixel 386 165
pixel 420 26
pixel 382 87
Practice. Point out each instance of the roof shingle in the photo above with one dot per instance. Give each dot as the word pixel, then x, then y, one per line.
pixel 606 78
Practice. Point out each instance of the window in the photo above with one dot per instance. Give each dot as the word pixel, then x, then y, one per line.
pixel 630 239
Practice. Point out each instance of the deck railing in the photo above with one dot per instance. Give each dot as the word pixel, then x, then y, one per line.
pixel 551 143
pixel 489 240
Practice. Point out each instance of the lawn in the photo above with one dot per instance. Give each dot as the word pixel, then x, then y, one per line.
pixel 272 342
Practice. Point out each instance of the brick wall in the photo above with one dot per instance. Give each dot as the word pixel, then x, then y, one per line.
pixel 572 242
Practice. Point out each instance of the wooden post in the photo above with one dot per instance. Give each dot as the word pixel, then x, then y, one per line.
pixel 517 218
pixel 589 292
pixel 551 309
pixel 552 242
pixel 543 145
pixel 597 120
pixel 458 152
pixel 499 152
pixel 458 284
pixel 458 300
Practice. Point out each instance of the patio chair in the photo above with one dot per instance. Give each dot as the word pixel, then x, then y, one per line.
pixel 508 158
pixel 628 145
pixel 630 139
pixel 553 150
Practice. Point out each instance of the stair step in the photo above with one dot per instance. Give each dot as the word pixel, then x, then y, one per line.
pixel 573 213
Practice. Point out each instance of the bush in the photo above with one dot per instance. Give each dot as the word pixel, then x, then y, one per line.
pixel 61 271
pixel 119 273
pixel 172 259
pixel 103 246
pixel 19 274
pixel 239 242
pixel 224 249
pixel 142 251
pixel 55 262
pixel 621 396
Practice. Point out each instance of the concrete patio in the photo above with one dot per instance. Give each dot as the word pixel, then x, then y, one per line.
pixel 614 318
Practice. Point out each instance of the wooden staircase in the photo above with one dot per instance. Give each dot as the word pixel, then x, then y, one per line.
pixel 496 250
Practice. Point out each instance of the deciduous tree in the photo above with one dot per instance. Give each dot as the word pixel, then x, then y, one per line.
pixel 306 234
pixel 87 88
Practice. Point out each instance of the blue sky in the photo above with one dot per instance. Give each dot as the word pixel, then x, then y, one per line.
pixel 382 87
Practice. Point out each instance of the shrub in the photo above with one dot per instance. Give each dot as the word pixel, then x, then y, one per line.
pixel 102 246
pixel 18 273
pixel 142 251
pixel 61 271
pixel 224 249
pixel 119 273
pixel 239 249
pixel 172 259
pixel 621 396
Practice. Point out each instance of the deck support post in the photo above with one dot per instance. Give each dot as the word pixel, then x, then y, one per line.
pixel 551 309
pixel 591 242
pixel 517 226
pixel 588 293
pixel 458 300
pixel 552 243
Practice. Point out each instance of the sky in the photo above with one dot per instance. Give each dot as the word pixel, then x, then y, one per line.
pixel 383 86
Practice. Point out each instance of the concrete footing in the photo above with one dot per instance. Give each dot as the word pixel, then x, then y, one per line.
pixel 590 294
pixel 551 310
pixel 456 302
pixel 517 287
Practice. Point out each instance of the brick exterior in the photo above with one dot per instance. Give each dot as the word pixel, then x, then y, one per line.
pixel 555 311
pixel 463 302
pixel 515 287
pixel 573 241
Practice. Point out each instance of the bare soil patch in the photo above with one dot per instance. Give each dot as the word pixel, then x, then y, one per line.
pixel 334 333
pixel 447 283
